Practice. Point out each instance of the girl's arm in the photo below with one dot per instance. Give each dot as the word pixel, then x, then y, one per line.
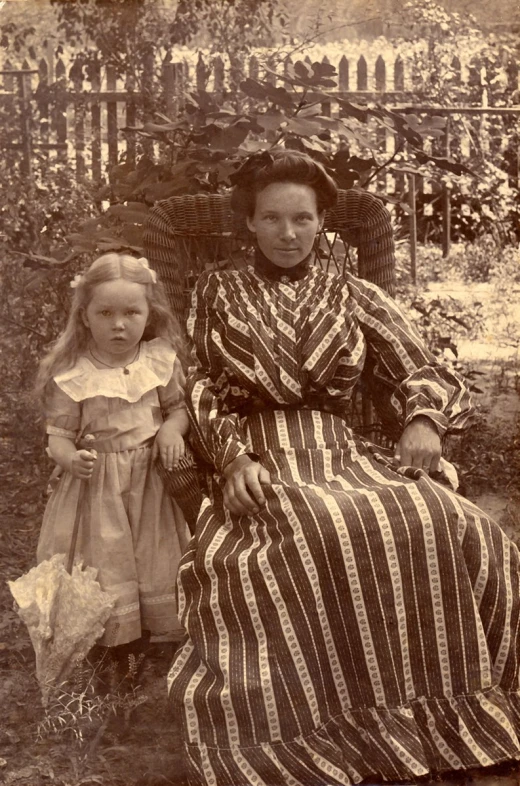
pixel 79 463
pixel 169 441
pixel 62 416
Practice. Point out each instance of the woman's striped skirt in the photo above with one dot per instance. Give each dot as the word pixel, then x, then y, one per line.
pixel 364 624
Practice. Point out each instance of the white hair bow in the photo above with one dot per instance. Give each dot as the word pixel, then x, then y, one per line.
pixel 144 262
pixel 77 280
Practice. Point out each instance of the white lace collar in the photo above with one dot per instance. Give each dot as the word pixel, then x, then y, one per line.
pixel 153 368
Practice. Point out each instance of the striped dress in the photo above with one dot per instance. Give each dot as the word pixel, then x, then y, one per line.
pixel 365 624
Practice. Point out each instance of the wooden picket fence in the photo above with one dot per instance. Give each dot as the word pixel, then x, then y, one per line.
pixel 77 118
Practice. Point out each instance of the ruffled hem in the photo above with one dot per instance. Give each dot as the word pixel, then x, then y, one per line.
pixel 422 737
pixel 152 369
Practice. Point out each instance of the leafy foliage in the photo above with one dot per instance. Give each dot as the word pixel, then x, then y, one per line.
pixel 34 275
pixel 211 134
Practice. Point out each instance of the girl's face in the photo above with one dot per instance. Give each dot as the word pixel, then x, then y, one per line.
pixel 285 222
pixel 116 317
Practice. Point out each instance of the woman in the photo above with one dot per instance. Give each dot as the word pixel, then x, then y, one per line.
pixel 347 617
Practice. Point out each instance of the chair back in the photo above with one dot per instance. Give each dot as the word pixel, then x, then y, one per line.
pixel 185 235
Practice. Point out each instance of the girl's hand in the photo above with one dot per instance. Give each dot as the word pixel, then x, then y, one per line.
pixel 169 443
pixel 82 464
pixel 243 493
pixel 420 445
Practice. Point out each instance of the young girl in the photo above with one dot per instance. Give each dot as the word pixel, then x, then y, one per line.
pixel 114 384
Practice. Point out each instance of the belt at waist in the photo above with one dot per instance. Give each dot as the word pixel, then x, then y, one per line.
pixel 125 430
pixel 340 409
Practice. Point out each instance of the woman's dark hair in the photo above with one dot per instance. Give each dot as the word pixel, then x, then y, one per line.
pixel 280 166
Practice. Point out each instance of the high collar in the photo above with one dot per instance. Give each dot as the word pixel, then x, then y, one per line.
pixel 273 272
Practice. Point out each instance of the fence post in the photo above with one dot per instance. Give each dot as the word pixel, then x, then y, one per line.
pixel 169 81
pixel 60 112
pixel 25 110
pixel 112 131
pixel 413 227
pixel 76 76
pixel 343 74
pixel 131 118
pixel 446 199
pixel 362 74
pixel 95 115
pixel 380 75
pixel 43 103
pixel 399 74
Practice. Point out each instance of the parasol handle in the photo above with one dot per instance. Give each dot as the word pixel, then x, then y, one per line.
pixel 75 529
pixel 88 438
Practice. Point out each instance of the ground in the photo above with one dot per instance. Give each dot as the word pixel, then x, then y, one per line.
pixel 141 747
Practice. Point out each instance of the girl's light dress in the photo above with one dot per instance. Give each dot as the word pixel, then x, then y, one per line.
pixel 130 530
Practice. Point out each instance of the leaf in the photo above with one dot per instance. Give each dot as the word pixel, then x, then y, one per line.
pixel 81 242
pixel 34 280
pixel 362 164
pixel 139 206
pixel 203 101
pixel 91 225
pixel 302 70
pixel 133 234
pixel 444 163
pixel 253 89
pixel 224 170
pixel 157 128
pixel 303 126
pixel 228 138
pixel 427 126
pixel 111 245
pixel 331 124
pixel 353 110
pixel 163 190
pixel 271 121
pixel 251 146
pixel 126 214
pixel 324 69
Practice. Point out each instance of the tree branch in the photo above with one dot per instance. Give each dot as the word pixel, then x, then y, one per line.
pixel 49 260
pixel 394 155
pixel 22 327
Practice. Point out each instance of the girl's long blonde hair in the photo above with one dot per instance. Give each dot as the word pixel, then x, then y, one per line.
pixel 74 340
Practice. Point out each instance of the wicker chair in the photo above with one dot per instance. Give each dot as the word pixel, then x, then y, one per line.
pixel 185 235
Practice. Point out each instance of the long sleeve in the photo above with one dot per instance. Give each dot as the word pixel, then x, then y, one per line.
pixel 216 434
pixel 407 379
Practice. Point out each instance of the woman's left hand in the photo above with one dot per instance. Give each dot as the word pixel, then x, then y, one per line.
pixel 420 445
pixel 170 444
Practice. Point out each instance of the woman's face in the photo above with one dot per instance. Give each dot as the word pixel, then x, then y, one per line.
pixel 285 222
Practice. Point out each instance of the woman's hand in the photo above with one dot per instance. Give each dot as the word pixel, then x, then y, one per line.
pixel 82 463
pixel 420 445
pixel 169 443
pixel 243 493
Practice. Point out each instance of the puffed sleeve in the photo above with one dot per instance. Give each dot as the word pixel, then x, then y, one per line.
pixel 62 414
pixel 172 395
pixel 217 433
pixel 408 380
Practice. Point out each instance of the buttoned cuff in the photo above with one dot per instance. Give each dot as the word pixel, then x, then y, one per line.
pixel 439 419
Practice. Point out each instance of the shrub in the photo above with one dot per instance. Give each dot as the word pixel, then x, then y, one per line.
pixel 35 269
